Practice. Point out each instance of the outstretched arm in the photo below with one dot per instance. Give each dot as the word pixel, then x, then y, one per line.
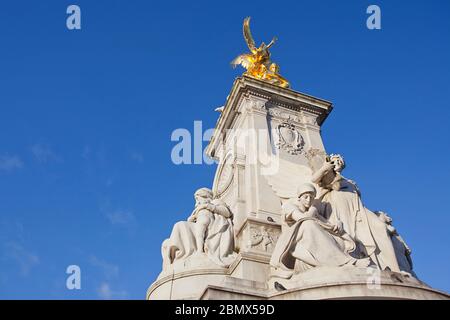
pixel 326 167
pixel 272 42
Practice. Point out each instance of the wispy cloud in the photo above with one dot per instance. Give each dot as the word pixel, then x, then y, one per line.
pixel 44 154
pixel 121 217
pixel 9 163
pixel 118 217
pixel 109 270
pixel 26 260
pixel 105 292
pixel 138 157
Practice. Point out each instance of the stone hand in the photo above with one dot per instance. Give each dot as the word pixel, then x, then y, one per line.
pixel 327 166
pixel 339 227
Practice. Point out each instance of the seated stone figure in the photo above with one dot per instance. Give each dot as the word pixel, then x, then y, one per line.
pixel 207 232
pixel 340 200
pixel 307 240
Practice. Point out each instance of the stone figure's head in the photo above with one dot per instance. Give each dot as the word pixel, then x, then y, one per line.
pixel 338 161
pixel 306 193
pixel 202 196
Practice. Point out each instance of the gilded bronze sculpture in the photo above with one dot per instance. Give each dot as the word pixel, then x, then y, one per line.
pixel 258 62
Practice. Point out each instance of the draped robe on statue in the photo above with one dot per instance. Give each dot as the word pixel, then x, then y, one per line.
pixel 341 201
pixel 219 238
pixel 310 241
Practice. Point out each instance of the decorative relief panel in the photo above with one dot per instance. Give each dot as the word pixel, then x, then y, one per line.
pixel 310 120
pixel 259 238
pixel 262 239
pixel 253 104
pixel 289 138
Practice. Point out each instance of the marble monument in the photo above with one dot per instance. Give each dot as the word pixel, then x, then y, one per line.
pixel 281 221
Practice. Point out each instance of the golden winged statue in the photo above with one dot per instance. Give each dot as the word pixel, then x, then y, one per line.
pixel 258 62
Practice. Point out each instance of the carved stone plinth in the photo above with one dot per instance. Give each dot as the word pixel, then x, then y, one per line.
pixel 328 284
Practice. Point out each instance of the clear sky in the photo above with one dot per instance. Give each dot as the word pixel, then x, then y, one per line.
pixel 86 117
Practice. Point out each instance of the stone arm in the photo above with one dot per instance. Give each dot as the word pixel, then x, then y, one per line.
pixel 323 215
pixel 319 174
pixel 272 42
pixel 193 216
pixel 221 208
pixel 317 215
pixel 291 213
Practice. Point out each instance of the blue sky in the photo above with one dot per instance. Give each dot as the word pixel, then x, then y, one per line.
pixel 86 176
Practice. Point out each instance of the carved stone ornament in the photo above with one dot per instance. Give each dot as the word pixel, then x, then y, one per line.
pixel 262 239
pixel 225 176
pixel 255 104
pixel 289 139
pixel 310 120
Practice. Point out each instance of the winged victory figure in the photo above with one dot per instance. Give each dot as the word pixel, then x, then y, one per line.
pixel 258 62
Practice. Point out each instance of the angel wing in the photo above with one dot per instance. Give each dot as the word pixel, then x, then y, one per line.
pixel 243 60
pixel 288 177
pixel 248 36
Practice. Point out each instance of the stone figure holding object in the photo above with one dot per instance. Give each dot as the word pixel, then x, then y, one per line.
pixel 341 201
pixel 207 232
pixel 308 241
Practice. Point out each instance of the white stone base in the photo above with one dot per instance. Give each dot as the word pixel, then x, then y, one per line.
pixel 328 283
pixel 185 285
pixel 246 279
